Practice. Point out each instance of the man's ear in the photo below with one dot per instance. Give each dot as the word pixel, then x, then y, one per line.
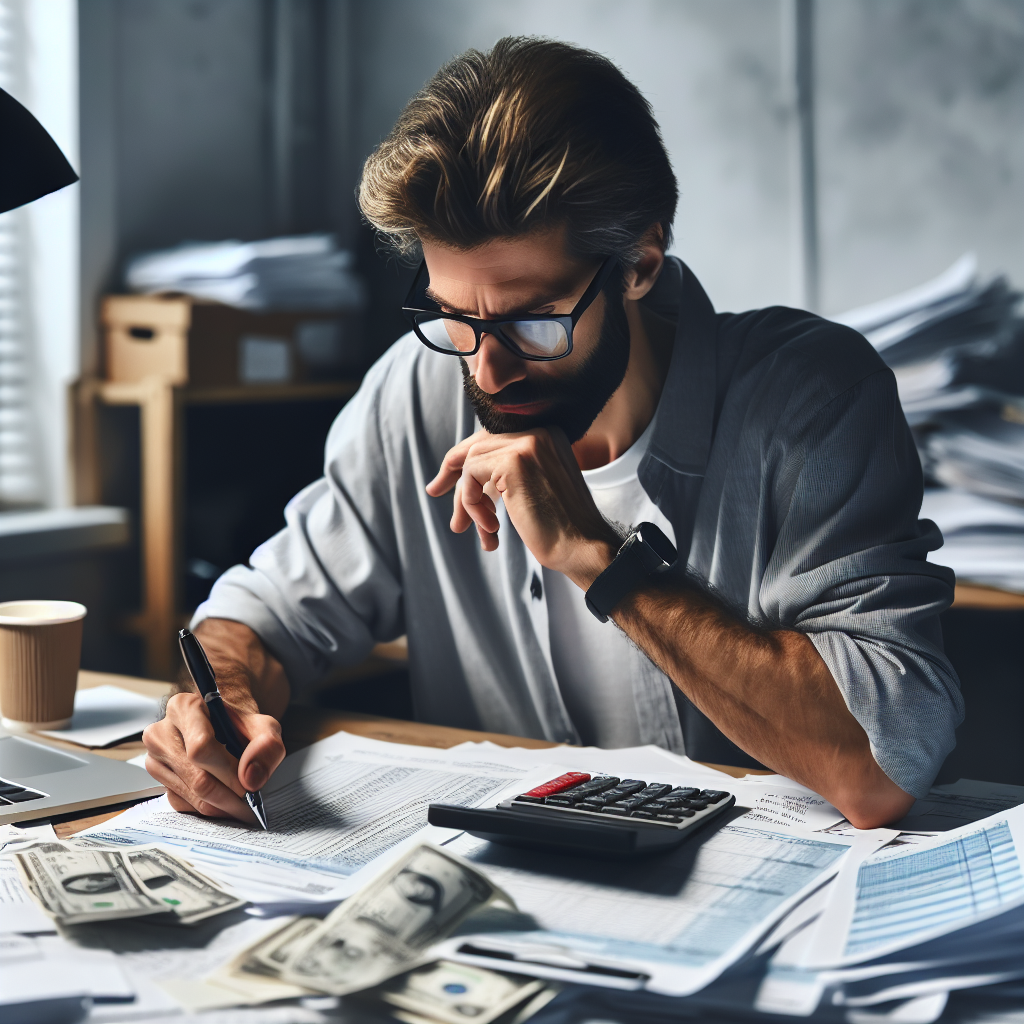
pixel 639 278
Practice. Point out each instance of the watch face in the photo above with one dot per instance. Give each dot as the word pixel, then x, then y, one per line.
pixel 650 535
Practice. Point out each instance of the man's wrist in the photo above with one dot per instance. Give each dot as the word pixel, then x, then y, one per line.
pixel 592 557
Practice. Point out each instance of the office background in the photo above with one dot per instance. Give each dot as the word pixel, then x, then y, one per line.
pixel 830 153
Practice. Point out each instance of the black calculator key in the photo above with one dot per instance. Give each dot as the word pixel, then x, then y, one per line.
pixel 682 793
pixel 655 790
pixel 568 797
pixel 655 805
pixel 697 805
pixel 713 795
pixel 616 809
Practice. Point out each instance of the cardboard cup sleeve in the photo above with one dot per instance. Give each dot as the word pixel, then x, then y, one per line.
pixel 40 652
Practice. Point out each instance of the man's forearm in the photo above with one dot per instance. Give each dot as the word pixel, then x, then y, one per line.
pixel 249 677
pixel 770 692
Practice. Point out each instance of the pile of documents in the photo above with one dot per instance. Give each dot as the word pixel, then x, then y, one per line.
pixel 305 272
pixel 956 346
pixel 352 904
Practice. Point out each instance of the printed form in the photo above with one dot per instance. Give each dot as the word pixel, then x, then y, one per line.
pixel 676 922
pixel 334 808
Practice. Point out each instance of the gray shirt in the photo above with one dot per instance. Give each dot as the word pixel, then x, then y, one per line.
pixel 782 459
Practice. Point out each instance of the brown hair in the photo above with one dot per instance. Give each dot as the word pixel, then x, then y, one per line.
pixel 530 134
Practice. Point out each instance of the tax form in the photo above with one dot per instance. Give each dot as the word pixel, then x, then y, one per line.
pixel 904 896
pixel 334 809
pixel 670 925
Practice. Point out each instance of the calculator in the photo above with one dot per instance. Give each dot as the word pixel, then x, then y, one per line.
pixel 596 815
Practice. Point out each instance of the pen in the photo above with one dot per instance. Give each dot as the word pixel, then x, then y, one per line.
pixel 201 671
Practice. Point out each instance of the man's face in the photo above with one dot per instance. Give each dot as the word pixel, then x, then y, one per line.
pixel 532 274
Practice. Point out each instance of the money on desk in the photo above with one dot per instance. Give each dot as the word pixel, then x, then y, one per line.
pixel 452 993
pixel 383 930
pixel 75 885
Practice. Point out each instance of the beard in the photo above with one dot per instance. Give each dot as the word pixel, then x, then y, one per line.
pixel 575 401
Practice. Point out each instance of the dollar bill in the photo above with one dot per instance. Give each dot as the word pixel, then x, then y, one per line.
pixel 255 974
pixel 75 884
pixel 454 993
pixel 188 893
pixel 387 927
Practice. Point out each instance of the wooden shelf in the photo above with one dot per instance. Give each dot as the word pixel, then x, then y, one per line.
pixel 161 404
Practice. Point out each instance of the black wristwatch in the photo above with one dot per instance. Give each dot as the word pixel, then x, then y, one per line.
pixel 647 551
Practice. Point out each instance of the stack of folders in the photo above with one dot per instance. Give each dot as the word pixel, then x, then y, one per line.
pixel 956 346
pixel 300 272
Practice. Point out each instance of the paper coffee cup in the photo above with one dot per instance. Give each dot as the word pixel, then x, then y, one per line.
pixel 40 651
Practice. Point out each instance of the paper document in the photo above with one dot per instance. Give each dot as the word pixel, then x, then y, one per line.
pixel 960 803
pixel 49 967
pixel 333 809
pixel 903 896
pixel 18 911
pixel 677 921
pixel 105 715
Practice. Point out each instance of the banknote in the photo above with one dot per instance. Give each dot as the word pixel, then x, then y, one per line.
pixel 454 993
pixel 188 893
pixel 385 928
pixel 77 884
pixel 73 885
pixel 254 974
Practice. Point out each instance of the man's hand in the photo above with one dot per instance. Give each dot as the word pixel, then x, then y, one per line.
pixel 545 495
pixel 184 755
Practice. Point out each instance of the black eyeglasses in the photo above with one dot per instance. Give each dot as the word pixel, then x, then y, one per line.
pixel 536 336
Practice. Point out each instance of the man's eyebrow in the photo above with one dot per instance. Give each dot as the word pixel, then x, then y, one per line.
pixel 523 309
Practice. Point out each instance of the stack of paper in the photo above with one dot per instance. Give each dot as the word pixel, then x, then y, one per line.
pixel 957 350
pixel 303 272
pixel 782 907
pixel 105 715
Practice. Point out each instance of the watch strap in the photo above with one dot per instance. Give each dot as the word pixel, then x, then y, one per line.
pixel 645 552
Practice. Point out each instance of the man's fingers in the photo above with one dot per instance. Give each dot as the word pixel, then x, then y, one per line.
pixel 187 713
pixel 473 499
pixel 264 752
pixel 190 788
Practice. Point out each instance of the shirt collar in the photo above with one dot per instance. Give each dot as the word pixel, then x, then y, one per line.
pixel 686 411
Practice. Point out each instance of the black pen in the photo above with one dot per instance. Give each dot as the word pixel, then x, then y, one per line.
pixel 201 671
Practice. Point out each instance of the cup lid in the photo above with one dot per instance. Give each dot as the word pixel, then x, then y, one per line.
pixel 40 613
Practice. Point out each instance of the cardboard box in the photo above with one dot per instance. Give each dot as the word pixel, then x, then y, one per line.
pixel 206 344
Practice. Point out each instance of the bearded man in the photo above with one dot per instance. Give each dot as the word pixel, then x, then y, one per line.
pixel 601 512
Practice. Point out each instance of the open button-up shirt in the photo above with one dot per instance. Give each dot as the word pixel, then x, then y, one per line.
pixel 782 459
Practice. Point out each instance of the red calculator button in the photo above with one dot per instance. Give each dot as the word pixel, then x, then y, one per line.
pixel 565 781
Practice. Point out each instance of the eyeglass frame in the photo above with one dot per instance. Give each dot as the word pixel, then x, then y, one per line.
pixel 493 327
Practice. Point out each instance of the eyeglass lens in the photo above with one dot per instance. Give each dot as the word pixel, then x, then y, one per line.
pixel 543 338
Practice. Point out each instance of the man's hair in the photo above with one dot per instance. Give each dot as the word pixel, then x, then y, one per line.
pixel 532 134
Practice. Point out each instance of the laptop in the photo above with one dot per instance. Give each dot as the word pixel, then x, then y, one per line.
pixel 39 781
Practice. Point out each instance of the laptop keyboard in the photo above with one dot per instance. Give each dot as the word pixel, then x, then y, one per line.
pixel 13 793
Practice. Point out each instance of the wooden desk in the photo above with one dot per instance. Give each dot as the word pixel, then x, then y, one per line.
pixel 303 726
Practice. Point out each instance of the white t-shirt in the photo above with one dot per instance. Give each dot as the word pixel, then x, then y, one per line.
pixel 595 664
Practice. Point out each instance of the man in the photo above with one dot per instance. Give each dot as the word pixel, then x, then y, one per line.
pixel 564 383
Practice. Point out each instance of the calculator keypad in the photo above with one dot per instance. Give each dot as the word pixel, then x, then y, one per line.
pixel 615 798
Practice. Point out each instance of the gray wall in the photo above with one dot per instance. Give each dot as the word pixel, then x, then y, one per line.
pixel 919 109
pixel 920 141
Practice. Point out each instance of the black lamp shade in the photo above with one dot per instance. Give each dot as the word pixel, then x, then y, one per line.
pixel 31 163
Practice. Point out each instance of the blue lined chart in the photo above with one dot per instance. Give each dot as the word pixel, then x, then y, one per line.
pixel 902 898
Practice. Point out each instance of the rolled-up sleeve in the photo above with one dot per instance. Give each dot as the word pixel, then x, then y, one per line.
pixel 849 569
pixel 328 586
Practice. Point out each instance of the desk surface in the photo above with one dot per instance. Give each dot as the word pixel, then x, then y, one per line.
pixel 303 726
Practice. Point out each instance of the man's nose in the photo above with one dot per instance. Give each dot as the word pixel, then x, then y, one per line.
pixel 494 367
